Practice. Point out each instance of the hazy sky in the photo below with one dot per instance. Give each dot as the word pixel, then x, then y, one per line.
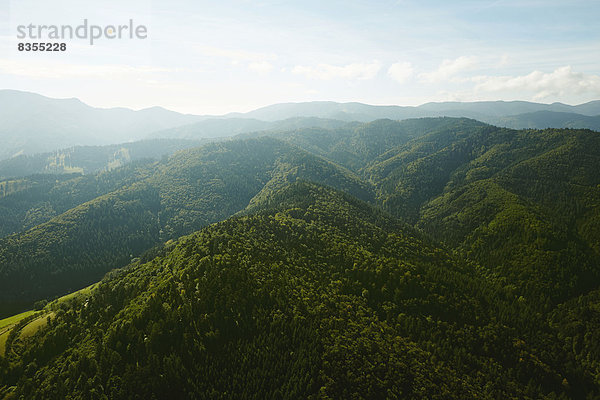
pixel 212 57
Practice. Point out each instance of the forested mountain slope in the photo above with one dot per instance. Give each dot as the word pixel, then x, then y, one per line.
pixel 29 201
pixel 91 159
pixel 153 203
pixel 470 185
pixel 457 260
pixel 357 145
pixel 313 294
pixel 525 203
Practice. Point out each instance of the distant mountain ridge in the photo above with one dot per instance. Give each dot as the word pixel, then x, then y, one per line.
pixel 222 127
pixel 549 119
pixel 354 111
pixel 91 159
pixel 31 123
pixel 328 114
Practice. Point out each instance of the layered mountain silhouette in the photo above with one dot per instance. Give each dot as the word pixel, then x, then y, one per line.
pixel 32 123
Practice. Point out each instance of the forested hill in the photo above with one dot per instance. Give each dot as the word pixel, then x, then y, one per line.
pixel 68 231
pixel 91 159
pixel 357 146
pixel 160 201
pixel 314 295
pixel 427 258
pixel 466 183
pixel 524 203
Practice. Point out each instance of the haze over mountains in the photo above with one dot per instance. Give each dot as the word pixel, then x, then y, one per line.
pixel 365 112
pixel 31 123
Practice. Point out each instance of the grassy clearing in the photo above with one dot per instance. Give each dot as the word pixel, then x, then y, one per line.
pixel 82 292
pixel 14 319
pixel 7 324
pixel 3 337
pixel 38 323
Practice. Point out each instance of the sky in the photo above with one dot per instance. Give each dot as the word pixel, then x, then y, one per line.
pixel 215 57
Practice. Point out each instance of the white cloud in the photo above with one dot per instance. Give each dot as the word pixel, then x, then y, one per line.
pixel 561 82
pixel 361 71
pixel 449 68
pixel 261 67
pixel 401 71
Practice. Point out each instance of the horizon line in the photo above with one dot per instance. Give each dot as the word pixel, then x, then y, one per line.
pixel 294 102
